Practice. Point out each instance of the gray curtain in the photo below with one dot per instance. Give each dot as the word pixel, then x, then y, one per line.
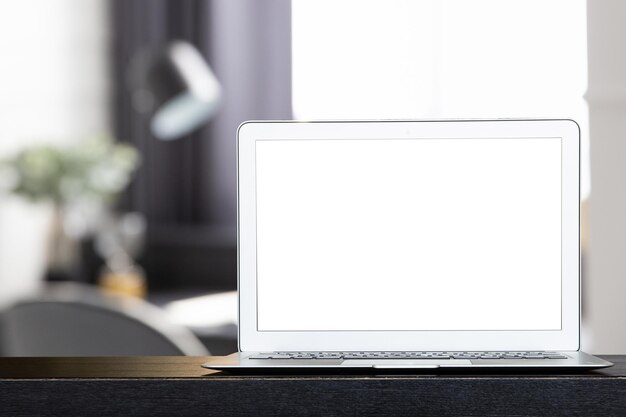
pixel 251 54
pixel 187 188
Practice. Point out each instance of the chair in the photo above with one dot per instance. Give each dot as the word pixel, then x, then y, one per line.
pixel 77 320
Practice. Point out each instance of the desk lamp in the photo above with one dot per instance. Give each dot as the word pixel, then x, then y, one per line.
pixel 177 89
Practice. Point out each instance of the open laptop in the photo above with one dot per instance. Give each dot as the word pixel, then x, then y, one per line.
pixel 409 244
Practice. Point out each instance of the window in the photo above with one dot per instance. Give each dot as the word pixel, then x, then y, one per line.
pixel 441 59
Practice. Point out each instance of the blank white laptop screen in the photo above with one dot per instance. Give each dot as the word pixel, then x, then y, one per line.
pixel 408 234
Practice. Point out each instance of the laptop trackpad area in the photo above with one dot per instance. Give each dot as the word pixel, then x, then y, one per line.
pixel 404 363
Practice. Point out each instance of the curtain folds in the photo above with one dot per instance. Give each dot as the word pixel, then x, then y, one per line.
pixel 186 188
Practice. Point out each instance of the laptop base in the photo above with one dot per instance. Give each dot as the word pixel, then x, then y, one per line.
pixel 241 362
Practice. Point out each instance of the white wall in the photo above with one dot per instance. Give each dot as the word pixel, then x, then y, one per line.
pixel 604 280
pixel 53 88
pixel 54 79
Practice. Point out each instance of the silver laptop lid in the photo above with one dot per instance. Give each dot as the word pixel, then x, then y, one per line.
pixel 397 235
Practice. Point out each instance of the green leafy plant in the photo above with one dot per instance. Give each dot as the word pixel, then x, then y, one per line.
pixel 97 168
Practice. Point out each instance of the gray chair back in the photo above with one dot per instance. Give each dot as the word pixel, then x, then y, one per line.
pixel 76 320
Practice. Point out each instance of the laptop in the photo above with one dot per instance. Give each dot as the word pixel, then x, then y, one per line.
pixel 374 245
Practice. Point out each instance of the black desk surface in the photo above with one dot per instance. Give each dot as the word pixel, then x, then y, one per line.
pixel 172 386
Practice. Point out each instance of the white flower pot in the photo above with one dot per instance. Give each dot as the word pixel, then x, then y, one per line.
pixel 24 237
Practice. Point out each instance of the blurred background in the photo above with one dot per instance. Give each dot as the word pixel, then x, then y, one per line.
pixel 117 142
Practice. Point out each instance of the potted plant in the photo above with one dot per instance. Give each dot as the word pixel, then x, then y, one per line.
pixel 73 184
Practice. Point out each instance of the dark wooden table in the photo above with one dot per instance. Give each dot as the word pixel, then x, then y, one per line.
pixel 176 386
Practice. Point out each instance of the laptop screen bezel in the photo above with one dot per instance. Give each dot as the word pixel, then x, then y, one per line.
pixel 567 338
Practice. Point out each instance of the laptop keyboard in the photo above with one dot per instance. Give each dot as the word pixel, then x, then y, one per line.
pixel 408 355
